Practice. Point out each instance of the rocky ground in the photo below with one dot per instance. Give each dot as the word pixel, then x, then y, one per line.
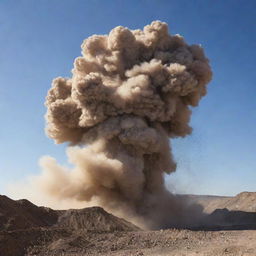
pixel 26 229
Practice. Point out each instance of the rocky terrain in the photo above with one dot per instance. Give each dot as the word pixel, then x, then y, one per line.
pixel 245 201
pixel 26 229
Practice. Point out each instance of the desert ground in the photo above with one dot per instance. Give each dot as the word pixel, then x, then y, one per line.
pixel 26 229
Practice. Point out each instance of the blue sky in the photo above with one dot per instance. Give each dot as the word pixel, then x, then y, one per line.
pixel 40 39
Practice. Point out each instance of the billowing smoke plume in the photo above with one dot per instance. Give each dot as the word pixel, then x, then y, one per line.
pixel 129 93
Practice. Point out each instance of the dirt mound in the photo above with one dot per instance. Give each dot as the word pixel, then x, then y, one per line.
pixel 245 201
pixel 22 214
pixel 93 219
pixel 26 227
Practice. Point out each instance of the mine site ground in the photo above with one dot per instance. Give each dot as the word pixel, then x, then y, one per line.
pixel 167 242
pixel 26 229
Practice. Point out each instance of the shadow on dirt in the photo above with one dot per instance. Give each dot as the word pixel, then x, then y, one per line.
pixel 223 219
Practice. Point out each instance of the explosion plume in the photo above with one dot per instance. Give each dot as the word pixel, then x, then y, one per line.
pixel 130 92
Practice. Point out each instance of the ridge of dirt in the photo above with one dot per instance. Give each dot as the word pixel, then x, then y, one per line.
pixel 93 218
pixel 22 214
pixel 26 229
pixel 244 201
pixel 24 225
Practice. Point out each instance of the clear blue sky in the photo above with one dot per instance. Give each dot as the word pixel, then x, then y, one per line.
pixel 40 39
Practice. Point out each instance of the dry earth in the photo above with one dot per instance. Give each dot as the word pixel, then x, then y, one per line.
pixel 245 201
pixel 26 229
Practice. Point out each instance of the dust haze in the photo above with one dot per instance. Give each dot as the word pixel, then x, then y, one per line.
pixel 130 92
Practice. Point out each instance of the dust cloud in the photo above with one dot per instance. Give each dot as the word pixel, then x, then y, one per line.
pixel 129 94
